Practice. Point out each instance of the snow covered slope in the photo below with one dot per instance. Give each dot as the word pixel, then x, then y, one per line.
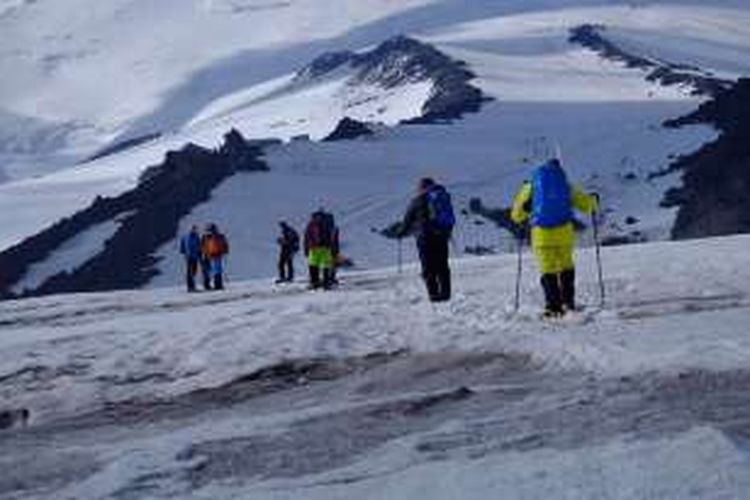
pixel 549 95
pixel 371 391
pixel 78 77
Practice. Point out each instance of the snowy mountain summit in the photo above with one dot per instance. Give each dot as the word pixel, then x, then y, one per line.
pixel 402 61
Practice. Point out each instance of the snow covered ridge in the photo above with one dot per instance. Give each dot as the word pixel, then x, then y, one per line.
pixel 400 80
pixel 55 59
pixel 109 244
pixel 401 61
pixel 665 72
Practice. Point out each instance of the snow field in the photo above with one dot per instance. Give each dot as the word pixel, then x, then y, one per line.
pixel 671 306
pixel 676 312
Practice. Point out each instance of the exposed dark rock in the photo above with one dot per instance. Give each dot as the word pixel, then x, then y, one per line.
pixel 347 129
pixel 666 73
pixel 630 220
pixel 623 239
pixel 149 217
pixel 713 199
pixel 403 60
pixel 500 216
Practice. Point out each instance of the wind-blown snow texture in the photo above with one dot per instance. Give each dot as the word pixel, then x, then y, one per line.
pixel 371 391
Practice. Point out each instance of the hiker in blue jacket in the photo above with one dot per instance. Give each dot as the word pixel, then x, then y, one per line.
pixel 431 219
pixel 190 248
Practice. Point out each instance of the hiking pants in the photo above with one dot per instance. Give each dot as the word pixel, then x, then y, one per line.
pixel 286 265
pixel 206 272
pixel 216 272
pixel 191 269
pixel 320 260
pixel 558 276
pixel 433 255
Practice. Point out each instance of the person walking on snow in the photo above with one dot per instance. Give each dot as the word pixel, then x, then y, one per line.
pixel 288 242
pixel 319 248
pixel 190 248
pixel 547 201
pixel 214 246
pixel 431 219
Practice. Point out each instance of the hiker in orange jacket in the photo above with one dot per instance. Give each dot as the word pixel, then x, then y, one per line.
pixel 214 246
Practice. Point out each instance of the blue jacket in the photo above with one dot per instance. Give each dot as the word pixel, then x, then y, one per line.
pixel 190 245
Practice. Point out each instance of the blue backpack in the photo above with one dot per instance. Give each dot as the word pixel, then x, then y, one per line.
pixel 551 197
pixel 440 208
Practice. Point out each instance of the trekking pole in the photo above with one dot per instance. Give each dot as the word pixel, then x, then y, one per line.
pixel 595 225
pixel 519 270
pixel 399 255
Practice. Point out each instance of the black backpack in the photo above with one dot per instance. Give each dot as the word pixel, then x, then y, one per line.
pixel 292 240
pixel 325 227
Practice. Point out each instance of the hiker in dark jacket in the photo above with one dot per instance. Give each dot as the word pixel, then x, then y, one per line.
pixel 214 247
pixel 288 242
pixel 431 219
pixel 319 248
pixel 190 248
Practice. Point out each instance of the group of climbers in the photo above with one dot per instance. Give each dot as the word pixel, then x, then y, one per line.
pixel 206 252
pixel 321 248
pixel 545 203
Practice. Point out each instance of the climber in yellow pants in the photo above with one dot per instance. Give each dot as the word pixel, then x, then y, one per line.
pixel 547 201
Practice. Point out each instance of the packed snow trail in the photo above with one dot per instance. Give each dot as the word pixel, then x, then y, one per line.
pixel 370 390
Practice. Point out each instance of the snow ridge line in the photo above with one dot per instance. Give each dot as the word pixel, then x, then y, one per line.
pixel 164 195
pixel 666 73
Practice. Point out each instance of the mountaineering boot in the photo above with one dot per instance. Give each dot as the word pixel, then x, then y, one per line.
pixel 552 297
pixel 568 289
pixel 327 278
pixel 218 282
pixel 433 287
pixel 314 277
pixel 444 281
